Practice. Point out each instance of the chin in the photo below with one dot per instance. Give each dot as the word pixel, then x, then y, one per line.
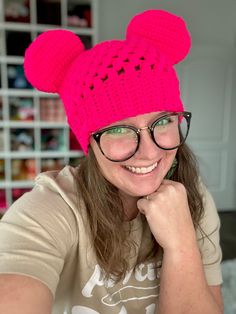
pixel 141 191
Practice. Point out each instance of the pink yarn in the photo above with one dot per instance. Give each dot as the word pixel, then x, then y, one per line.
pixel 115 79
pixel 168 32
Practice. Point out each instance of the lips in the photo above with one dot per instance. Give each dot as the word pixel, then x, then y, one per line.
pixel 141 170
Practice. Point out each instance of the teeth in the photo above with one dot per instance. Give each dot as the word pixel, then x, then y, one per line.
pixel 141 169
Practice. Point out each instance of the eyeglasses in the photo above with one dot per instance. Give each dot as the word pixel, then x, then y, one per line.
pixel 120 142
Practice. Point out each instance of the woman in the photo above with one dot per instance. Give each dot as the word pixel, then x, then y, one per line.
pixel 132 229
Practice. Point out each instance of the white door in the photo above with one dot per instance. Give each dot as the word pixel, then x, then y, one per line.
pixel 208 80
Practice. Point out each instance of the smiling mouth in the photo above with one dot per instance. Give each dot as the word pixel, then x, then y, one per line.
pixel 141 170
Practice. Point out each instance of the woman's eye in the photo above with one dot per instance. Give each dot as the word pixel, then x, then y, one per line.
pixel 117 130
pixel 163 122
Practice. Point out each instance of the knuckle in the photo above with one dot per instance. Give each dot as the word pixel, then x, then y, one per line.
pixel 181 187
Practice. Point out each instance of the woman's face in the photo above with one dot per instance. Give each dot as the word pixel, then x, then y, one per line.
pixel 143 173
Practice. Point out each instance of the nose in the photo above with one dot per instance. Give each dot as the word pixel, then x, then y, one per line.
pixel 147 148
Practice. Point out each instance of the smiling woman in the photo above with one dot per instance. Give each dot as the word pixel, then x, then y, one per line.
pixel 123 231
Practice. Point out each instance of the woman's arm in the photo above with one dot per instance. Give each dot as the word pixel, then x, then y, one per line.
pixel 183 285
pixel 24 295
pixel 217 294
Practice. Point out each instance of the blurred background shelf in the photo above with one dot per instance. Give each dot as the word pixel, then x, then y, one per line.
pixel 34 134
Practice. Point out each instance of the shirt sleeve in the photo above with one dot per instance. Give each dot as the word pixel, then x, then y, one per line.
pixel 36 234
pixel 209 240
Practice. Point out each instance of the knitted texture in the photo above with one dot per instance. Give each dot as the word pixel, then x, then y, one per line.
pixel 115 79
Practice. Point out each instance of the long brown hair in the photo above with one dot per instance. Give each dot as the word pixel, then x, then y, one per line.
pixel 105 212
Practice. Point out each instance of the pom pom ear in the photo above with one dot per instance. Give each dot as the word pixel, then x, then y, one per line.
pixel 48 58
pixel 165 30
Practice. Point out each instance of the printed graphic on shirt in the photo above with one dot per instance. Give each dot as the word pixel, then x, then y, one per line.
pixel 145 291
pixel 85 310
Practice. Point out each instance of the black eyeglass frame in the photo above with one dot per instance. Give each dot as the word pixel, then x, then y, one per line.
pixel 188 115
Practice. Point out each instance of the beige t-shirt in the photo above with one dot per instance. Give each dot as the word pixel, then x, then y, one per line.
pixel 44 235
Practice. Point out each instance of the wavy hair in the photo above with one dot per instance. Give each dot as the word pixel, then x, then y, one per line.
pixel 105 213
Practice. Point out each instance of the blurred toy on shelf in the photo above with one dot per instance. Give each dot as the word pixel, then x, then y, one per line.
pixel 17 11
pixel 51 109
pixel 23 169
pixel 30 166
pixel 16 77
pixel 53 139
pixel 21 109
pixel 22 139
pixel 79 15
pixel 48 164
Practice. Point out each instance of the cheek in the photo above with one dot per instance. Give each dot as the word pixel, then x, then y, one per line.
pixel 170 158
pixel 112 172
pixel 107 167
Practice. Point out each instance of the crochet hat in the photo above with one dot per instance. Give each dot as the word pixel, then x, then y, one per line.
pixel 115 79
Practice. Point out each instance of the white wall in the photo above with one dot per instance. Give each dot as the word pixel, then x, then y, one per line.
pixel 212 24
pixel 214 19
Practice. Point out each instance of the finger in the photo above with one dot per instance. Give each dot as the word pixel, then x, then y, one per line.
pixel 166 181
pixel 142 204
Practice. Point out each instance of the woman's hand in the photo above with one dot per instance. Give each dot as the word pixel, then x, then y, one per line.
pixel 168 215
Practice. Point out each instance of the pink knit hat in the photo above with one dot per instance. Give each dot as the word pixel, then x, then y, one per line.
pixel 115 79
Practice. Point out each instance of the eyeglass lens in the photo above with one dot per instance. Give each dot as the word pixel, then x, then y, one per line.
pixel 121 142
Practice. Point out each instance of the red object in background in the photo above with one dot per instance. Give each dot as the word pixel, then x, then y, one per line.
pixel 17 192
pixel 87 16
pixel 3 201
